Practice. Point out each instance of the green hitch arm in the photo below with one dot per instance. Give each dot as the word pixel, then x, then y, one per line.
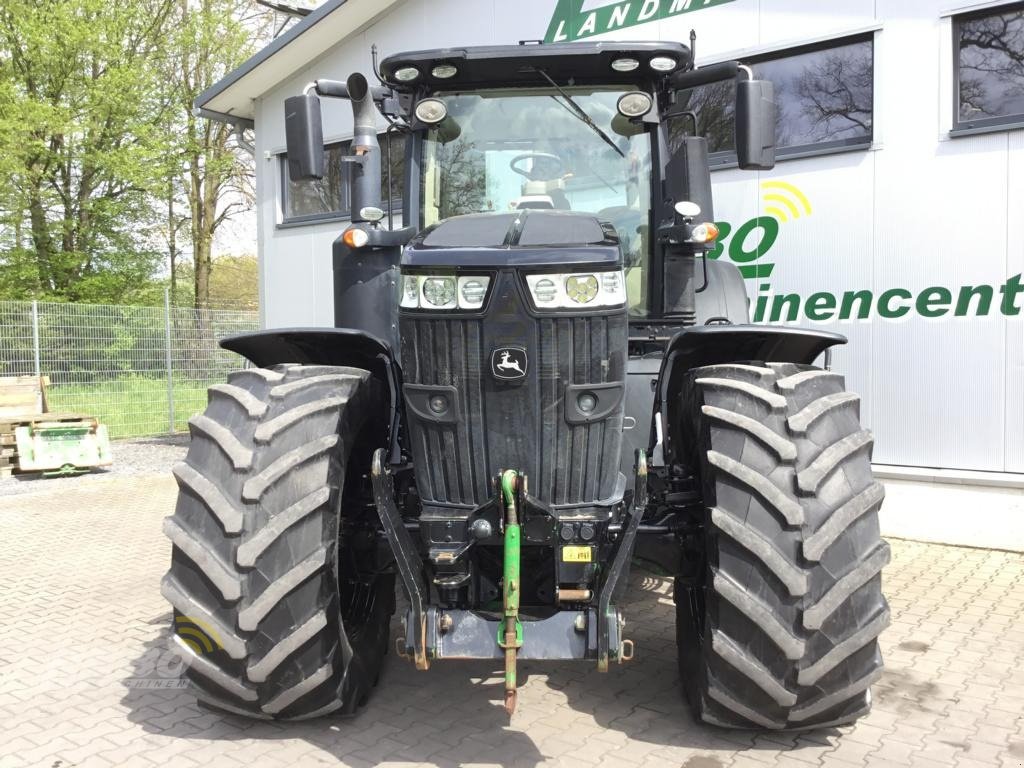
pixel 510 587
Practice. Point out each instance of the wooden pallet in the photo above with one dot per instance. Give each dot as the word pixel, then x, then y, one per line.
pixel 22 394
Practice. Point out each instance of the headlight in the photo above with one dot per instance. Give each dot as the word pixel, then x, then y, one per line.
pixel 472 291
pixel 581 288
pixel 439 291
pixel 576 290
pixel 443 291
pixel 545 291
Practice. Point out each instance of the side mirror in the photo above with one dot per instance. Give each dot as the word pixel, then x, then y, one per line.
pixel 755 125
pixel 304 136
pixel 688 177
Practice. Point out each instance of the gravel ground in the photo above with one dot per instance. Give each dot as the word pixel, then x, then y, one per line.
pixel 142 456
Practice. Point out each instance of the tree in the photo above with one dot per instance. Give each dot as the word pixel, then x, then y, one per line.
pixel 214 36
pixel 80 145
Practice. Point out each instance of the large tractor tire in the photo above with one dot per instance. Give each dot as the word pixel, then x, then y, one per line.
pixel 280 606
pixel 778 622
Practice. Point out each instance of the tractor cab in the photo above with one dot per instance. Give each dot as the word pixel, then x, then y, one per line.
pixel 556 128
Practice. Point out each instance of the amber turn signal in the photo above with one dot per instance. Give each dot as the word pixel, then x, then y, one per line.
pixel 704 233
pixel 355 237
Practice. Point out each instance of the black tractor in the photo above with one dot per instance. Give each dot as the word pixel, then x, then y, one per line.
pixel 537 378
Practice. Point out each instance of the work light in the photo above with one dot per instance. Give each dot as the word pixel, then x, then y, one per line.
pixel 662 63
pixel 431 111
pixel 634 104
pixel 444 71
pixel 406 74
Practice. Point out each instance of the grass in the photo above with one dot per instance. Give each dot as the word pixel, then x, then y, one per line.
pixel 132 406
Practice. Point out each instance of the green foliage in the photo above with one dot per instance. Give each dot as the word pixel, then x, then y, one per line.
pixel 80 144
pixel 98 140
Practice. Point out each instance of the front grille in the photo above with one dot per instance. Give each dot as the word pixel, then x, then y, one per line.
pixel 523 427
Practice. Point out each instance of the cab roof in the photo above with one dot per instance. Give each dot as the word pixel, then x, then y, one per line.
pixel 584 63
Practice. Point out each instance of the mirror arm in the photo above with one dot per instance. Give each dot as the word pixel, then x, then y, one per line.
pixel 713 73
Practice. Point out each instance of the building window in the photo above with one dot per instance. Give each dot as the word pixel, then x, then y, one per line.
pixel 328 198
pixel 824 93
pixel 989 48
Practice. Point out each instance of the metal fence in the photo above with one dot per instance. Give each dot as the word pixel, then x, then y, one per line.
pixel 140 370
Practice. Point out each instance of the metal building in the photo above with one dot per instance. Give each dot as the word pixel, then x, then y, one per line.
pixel 895 214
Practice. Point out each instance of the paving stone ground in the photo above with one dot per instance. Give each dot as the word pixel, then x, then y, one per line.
pixel 86 677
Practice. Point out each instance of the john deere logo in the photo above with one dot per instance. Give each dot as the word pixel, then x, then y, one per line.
pixel 783 203
pixel 509 363
pixel 577 19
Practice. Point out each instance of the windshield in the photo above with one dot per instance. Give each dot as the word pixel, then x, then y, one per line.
pixel 507 150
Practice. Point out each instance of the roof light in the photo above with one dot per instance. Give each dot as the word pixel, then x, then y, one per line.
pixel 625 65
pixel 662 63
pixel 431 111
pixel 406 74
pixel 444 71
pixel 634 104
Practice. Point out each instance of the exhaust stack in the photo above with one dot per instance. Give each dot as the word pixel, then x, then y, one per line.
pixel 365 178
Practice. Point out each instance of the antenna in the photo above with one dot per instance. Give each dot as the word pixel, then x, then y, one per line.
pixel 693 48
pixel 376 69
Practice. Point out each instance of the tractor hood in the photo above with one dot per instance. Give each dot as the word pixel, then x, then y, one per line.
pixel 517 238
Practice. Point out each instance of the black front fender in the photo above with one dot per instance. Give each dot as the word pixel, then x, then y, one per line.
pixel 717 344
pixel 328 346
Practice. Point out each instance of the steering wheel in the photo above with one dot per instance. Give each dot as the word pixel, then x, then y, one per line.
pixel 546 167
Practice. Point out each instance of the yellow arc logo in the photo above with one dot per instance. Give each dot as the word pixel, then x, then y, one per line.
pixel 197 635
pixel 784 200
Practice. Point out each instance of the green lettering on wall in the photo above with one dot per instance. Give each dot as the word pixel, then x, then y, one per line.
pixel 885 308
pixel 863 299
pixel 963 302
pixel 571 22
pixel 934 301
pixel 820 306
pixel 1010 290
pixel 769 233
pixel 785 301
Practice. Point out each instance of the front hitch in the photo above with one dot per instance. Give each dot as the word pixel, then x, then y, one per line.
pixel 513 632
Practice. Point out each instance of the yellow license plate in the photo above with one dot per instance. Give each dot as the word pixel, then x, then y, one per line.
pixel 576 554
